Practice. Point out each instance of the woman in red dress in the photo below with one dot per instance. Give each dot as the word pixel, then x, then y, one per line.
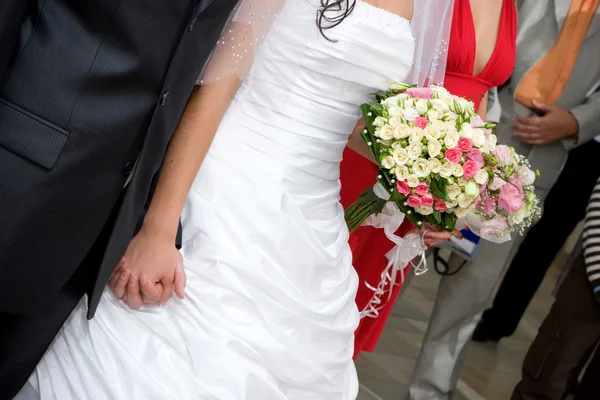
pixel 474 66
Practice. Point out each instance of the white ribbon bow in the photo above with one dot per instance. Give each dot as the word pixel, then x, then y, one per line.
pixel 404 251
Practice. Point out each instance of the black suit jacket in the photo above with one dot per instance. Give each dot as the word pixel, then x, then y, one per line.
pixel 12 15
pixel 95 86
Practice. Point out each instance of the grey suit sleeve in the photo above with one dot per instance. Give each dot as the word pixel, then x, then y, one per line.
pixel 494 108
pixel 588 118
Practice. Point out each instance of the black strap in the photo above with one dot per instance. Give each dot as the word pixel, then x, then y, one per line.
pixel 444 269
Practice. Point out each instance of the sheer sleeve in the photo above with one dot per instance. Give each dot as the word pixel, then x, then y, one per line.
pixel 431 24
pixel 241 39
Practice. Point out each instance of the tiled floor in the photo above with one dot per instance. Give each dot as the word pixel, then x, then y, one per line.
pixel 490 371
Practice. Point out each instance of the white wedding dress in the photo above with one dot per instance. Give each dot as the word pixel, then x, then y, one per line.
pixel 269 312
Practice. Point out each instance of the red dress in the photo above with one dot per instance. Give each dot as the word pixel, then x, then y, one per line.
pixel 369 245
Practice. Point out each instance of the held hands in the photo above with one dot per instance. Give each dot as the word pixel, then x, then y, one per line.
pixel 149 271
pixel 555 124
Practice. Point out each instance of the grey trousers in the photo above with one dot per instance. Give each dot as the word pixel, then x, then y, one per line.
pixel 460 301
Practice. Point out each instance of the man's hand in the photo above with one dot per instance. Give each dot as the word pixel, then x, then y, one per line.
pixel 148 272
pixel 555 124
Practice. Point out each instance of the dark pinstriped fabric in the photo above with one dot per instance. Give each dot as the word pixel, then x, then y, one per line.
pixel 83 99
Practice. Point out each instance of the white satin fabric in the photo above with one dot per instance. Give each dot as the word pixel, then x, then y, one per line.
pixel 269 312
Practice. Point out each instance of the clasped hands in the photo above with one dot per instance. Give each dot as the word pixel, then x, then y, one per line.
pixel 149 272
pixel 555 124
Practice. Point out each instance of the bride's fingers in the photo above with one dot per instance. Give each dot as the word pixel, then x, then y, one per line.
pixel 117 269
pixel 121 284
pixel 133 293
pixel 180 279
pixel 151 291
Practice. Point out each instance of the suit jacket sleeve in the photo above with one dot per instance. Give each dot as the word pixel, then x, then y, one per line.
pixel 588 118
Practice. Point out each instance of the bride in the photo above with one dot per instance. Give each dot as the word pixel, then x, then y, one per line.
pixel 269 310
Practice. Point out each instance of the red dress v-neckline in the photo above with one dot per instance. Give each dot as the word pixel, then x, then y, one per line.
pixel 501 27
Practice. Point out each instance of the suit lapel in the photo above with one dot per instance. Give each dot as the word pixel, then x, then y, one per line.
pixel 201 6
pixel 561 8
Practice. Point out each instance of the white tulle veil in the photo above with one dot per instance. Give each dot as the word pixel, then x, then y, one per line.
pixel 251 20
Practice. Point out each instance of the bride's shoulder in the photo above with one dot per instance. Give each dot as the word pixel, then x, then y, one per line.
pixel 402 8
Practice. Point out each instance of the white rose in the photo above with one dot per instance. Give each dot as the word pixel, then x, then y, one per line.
pixel 451 204
pixel 481 177
pixel 379 121
pixel 441 127
pixel 519 216
pixel 421 168
pixel 402 131
pixel 453 191
pixel 466 130
pixel 451 139
pixel 402 173
pixel 440 105
pixel 479 137
pixel 450 116
pixel 415 150
pixel 434 165
pixel 457 170
pixel 416 135
pixel 388 162
pixel 461 212
pixel 385 132
pixel 395 121
pixel 491 142
pixel 434 115
pixel 434 147
pixel 464 201
pixel 412 181
pixel 424 210
pixel 400 155
pixel 410 113
pixel 446 170
pixel 421 106
pixel 431 132
pixel 462 182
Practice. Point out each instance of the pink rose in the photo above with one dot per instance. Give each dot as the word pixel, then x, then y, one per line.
pixel 465 144
pixel 514 179
pixel 494 227
pixel 427 200
pixel 497 183
pixel 420 93
pixel 453 155
pixel 422 189
pixel 414 201
pixel 403 187
pixel 503 154
pixel 476 156
pixel 421 122
pixel 440 205
pixel 511 198
pixel 470 168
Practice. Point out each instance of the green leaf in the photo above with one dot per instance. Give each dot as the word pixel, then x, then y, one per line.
pixel 438 189
pixel 438 217
pixel 449 222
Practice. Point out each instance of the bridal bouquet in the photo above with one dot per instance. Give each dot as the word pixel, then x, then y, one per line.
pixel 440 164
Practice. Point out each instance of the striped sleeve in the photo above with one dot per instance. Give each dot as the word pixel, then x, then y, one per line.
pixel 591 239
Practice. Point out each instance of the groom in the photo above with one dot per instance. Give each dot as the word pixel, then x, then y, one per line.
pixel 89 99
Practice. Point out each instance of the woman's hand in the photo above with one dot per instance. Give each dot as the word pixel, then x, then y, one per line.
pixel 150 269
pixel 432 235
